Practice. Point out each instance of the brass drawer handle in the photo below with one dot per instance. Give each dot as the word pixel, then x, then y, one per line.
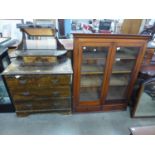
pixel 26 93
pixel 55 81
pixel 22 81
pixel 55 94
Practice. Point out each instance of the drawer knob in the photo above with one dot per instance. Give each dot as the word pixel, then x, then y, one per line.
pixel 22 81
pixel 26 93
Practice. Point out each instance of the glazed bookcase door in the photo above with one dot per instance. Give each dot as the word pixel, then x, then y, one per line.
pixel 123 72
pixel 93 72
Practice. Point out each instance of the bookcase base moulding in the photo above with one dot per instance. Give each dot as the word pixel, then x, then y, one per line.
pixel 105 70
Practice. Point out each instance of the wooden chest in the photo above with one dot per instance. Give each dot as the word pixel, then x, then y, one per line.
pixel 39 89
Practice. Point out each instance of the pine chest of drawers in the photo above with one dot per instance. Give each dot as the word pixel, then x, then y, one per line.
pixel 39 88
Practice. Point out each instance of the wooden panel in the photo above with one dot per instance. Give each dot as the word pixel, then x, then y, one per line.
pixel 40 60
pixel 40 93
pixel 87 37
pixel 41 80
pixel 43 104
pixel 40 31
pixel 87 108
pixel 110 107
pixel 131 26
pixel 25 113
pixel 115 107
pixel 76 67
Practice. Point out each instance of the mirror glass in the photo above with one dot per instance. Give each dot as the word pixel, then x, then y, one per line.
pixel 146 101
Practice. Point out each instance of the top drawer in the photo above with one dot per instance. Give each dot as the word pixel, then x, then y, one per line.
pixel 42 80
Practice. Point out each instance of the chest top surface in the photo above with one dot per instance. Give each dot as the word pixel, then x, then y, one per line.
pixel 16 67
pixel 42 52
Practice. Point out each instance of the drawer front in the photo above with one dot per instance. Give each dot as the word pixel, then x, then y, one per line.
pixel 43 105
pixel 37 59
pixel 37 87
pixel 41 93
pixel 39 80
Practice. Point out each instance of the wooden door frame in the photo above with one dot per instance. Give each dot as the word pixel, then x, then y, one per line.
pixel 135 71
pixel 77 71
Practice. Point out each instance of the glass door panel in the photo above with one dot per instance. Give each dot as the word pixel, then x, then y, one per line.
pixel 127 52
pixel 90 93
pixel 92 72
pixel 116 93
pixel 90 87
pixel 93 60
pixel 123 65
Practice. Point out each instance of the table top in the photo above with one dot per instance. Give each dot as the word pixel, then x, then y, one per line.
pixel 144 130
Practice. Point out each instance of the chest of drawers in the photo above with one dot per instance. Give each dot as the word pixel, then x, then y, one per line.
pixel 39 89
